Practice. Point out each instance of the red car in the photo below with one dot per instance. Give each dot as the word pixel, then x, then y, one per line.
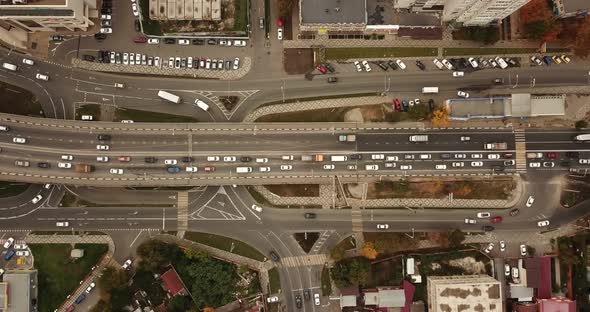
pixel 280 22
pixel 124 158
pixel 322 69
pixel 209 169
pixel 140 39
pixel 398 105
pixel 552 155
pixel 496 219
pixel 508 155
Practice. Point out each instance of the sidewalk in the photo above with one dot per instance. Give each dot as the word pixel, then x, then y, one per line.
pixel 261 267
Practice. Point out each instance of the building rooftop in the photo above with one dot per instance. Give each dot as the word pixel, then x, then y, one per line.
pixel 20 290
pixel 3 296
pixel 464 293
pixel 173 282
pixel 557 305
pixel 333 11
pixel 39 3
pixel 538 275
pixel 575 5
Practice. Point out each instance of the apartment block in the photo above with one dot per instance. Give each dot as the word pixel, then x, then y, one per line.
pixel 479 12
pixel 48 15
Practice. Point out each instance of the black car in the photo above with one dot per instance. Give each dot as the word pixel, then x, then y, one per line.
pixel 43 165
pixel 392 65
pixel 99 36
pixel 306 294
pixel 332 79
pixel 137 25
pixel 356 156
pixel 198 41
pixel 564 163
pixel 106 11
pixel 382 65
pixel 88 58
pixel 329 67
pixel 487 228
pixel 169 40
pixel 274 256
pixel 572 154
pixel 187 159
pixel 445 156
pixel 56 38
pixel 420 65
pixel 211 42
pixel 431 105
pixel 104 137
pixel 298 301
pixel 245 159
pixel 309 215
pixel 150 160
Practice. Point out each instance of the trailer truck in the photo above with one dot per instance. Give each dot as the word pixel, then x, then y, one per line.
pixel 83 168
pixel 495 146
pixel 347 138
pixel 419 138
pixel 317 157
pixel 582 138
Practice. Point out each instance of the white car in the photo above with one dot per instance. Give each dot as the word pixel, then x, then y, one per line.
pixel 280 33
pixel 106 17
pixel 523 250
pixel 153 41
pixel 473 62
pixel 447 64
pixel 367 66
pixel 382 226
pixel 489 248
pixel 543 223
pixel 28 62
pixel 62 224
pixel 256 208
pixel 229 158
pixel 9 242
pixel 494 156
pixel 329 167
pixel 106 30
pixel 530 201
pixel 157 61
pixel 192 169
pixel 371 167
pixel 400 64
pixel 316 299
pixel 536 60
pixel 438 64
pixel 90 287
pixel 134 8
pixel 440 167
pixel 390 165
pixel 535 165
pixel 272 299
pixel 170 162
pixel 239 43
pixel 465 138
pixel 463 94
pixel 377 157
pixel 64 165
pixel 483 215
pixel 357 64
pixel 236 63
pixel 286 167
pixel 127 264
pixel 458 74
pixel 477 164
pixel 67 157
pixel 392 158
pixel 477 156
pixel 405 167
pixel 460 156
pixel 458 164
pixel 184 42
pixel 507 269
pixel 125 58
pixel 103 147
pixel 584 161
pixel 212 158
pixel 264 169
pixel 87 117
pixel 37 199
pixel 19 140
pixel 20 246
pixel 22 253
pixel 116 171
pixel 126 121
pixel 262 160
pixel 502 246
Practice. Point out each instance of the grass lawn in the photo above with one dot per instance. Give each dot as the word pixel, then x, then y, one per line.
pixel 486 51
pixel 9 189
pixel 326 282
pixel 259 198
pixel 362 53
pixel 274 281
pixel 58 274
pixel 149 27
pixel 225 243
pixel 16 100
pixel 147 116
pixel 241 15
pixel 88 109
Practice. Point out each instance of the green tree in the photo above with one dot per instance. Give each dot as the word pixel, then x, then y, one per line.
pixel 112 278
pixel 101 306
pixel 456 238
pixel 338 252
pixel 566 253
pixel 145 280
pixel 156 254
pixel 214 282
pixel 353 271
pixel 418 112
pixel 539 29
pixel 580 124
pixel 179 304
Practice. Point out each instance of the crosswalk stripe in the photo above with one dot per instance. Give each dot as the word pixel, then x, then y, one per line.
pixel 308 260
pixel 520 144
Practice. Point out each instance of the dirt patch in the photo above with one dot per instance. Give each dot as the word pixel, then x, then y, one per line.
pixel 306 240
pixel 494 189
pixel 297 61
pixel 18 101
pixel 470 265
pixel 370 113
pixel 354 115
pixel 229 102
pixel 295 190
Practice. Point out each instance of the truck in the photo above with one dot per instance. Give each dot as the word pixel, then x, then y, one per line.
pixel 83 168
pixel 495 146
pixel 317 157
pixel 430 90
pixel 169 96
pixel 534 155
pixel 338 158
pixel 347 138
pixel 419 138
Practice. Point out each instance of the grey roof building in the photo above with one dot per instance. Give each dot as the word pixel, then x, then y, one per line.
pixel 21 290
pixel 337 15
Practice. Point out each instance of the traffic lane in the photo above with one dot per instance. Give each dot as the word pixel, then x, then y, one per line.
pixel 437 142
pixel 41 89
pixel 557 146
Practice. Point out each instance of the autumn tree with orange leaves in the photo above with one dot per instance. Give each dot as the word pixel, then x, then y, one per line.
pixel 538 21
pixel 369 251
pixel 440 117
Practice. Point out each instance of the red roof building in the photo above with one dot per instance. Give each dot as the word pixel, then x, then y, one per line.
pixel 557 305
pixel 173 284
pixel 538 275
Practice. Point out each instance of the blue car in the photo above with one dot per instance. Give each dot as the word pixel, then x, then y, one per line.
pixel 547 60
pixel 80 298
pixel 173 169
pixel 9 255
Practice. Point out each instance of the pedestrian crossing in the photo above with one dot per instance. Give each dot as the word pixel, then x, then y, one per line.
pixel 357 220
pixel 520 145
pixel 182 207
pixel 304 261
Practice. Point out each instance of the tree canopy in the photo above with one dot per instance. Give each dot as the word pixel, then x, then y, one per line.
pixel 351 271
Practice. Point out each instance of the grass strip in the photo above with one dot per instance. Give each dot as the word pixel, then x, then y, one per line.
pixel 225 243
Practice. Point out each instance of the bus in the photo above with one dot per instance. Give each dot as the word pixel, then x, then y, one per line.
pixel 582 137
pixel 430 90
pixel 169 96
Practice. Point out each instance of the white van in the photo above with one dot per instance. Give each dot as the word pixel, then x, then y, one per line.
pixel 9 66
pixel 4 128
pixel 244 169
pixel 287 157
pixel 202 105
pixel 339 158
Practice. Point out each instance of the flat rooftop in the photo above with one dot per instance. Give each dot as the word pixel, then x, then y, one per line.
pixel 465 293
pixel 477 108
pixel 333 11
pixel 575 5
pixel 40 3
